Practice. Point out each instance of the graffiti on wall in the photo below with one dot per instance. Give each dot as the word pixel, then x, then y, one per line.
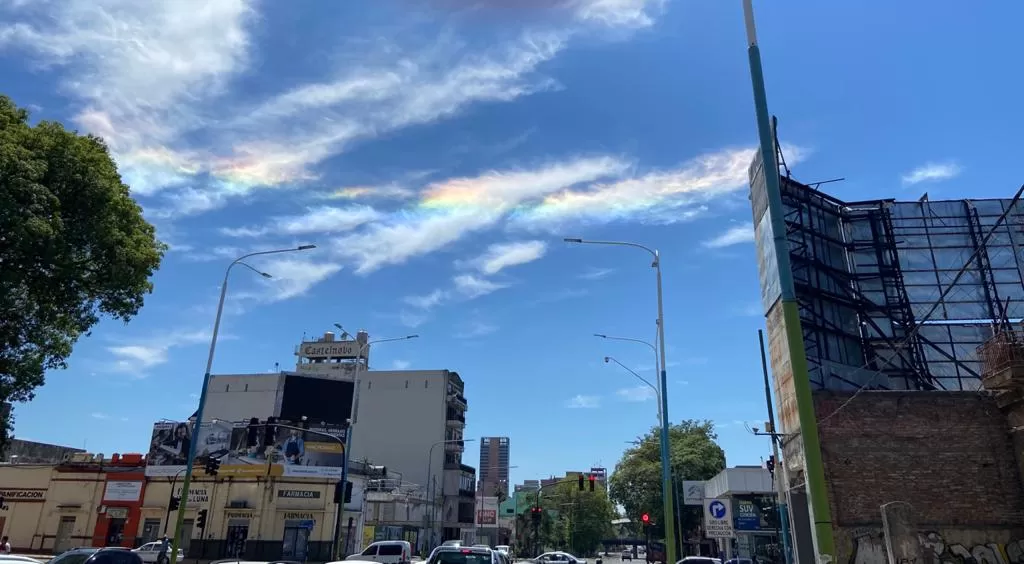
pixel 869 548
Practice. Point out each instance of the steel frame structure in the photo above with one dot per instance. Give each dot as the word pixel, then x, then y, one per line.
pixel 867 273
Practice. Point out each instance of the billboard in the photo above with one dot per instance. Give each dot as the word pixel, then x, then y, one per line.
pixel 318 454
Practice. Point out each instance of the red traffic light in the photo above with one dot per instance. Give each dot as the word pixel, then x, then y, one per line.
pixel 593 477
pixel 645 518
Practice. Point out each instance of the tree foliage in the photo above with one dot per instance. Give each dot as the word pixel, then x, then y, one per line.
pixel 573 521
pixel 694 455
pixel 74 246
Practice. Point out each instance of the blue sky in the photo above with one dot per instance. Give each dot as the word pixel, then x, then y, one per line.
pixel 438 150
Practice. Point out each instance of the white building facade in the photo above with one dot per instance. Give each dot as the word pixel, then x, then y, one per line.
pixel 408 421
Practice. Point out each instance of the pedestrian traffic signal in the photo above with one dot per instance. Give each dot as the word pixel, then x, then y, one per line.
pixel 175 503
pixel 270 432
pixel 645 518
pixel 770 464
pixel 201 519
pixel 593 479
pixel 212 466
pixel 253 430
pixel 581 482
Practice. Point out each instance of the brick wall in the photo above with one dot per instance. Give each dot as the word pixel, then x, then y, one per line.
pixel 949 454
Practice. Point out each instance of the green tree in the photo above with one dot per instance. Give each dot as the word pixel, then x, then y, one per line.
pixel 694 455
pixel 582 518
pixel 74 246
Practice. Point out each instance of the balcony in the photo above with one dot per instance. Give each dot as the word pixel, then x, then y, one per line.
pixel 455 418
pixel 455 446
pixel 458 401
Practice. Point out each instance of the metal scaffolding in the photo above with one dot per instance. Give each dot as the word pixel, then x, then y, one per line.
pixel 899 295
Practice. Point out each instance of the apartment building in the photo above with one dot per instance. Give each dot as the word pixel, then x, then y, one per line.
pixel 494 466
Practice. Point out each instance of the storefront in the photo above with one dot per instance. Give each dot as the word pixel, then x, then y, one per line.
pixel 119 519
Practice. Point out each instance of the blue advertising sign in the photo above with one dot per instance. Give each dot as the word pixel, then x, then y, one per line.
pixel 748 517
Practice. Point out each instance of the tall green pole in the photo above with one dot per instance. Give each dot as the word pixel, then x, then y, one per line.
pixel 814 471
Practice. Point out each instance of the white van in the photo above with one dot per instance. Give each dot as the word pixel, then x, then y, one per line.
pixel 386 552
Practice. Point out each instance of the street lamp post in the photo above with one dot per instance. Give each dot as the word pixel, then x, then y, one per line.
pixel 187 480
pixel 430 486
pixel 335 544
pixel 666 470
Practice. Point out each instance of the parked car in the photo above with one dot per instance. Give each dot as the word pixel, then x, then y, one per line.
pixel 559 557
pixel 18 559
pixel 699 560
pixel 151 550
pixel 97 556
pixel 386 552
pixel 627 555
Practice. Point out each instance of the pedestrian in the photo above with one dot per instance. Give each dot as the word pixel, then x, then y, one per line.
pixel 5 545
pixel 165 545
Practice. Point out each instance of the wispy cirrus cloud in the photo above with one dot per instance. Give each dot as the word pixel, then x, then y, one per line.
pixel 323 219
pixel 636 394
pixel 583 402
pixel 931 172
pixel 735 235
pixel 135 356
pixel 386 192
pixel 594 273
pixel 500 256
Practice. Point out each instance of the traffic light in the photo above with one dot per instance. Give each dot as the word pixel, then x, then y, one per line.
pixel 270 432
pixel 212 466
pixel 343 492
pixel 581 482
pixel 175 503
pixel 593 479
pixel 536 513
pixel 770 464
pixel 646 519
pixel 201 519
pixel 253 430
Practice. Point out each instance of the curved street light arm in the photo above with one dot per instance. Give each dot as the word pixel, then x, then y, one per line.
pixel 653 252
pixel 657 394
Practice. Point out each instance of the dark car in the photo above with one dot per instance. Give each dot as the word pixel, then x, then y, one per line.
pixel 97 556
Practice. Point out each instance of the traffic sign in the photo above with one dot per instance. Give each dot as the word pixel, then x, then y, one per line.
pixel 718 518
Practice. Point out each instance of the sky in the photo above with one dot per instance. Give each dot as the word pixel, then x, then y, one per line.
pixel 437 152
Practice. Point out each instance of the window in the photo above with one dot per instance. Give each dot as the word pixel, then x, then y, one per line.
pixel 452 557
pixel 73 557
pixel 370 550
pixel 390 550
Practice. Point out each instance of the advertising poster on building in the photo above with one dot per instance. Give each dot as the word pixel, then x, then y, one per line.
pixel 241 450
pixel 316 453
pixel 168 448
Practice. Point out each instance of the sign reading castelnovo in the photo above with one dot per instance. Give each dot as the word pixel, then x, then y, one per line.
pixel 342 349
pixel 23 495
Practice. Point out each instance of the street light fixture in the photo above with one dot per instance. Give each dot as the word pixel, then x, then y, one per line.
pixel 666 469
pixel 206 380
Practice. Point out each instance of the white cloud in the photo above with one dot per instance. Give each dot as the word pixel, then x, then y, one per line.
pixel 473 286
pixel 503 255
pixel 400 364
pixel 293 276
pixel 637 393
pixel 931 172
pixel 596 273
pixel 428 301
pixel 323 219
pixel 619 13
pixel 735 235
pixel 386 192
pixel 475 329
pixel 136 357
pixel 106 417
pixel 411 320
pixel 583 402
pixel 457 207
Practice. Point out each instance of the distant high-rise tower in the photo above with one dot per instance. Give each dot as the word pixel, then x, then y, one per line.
pixel 493 465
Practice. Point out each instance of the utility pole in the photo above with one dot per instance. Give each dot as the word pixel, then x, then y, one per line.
pixel 781 483
pixel 789 320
